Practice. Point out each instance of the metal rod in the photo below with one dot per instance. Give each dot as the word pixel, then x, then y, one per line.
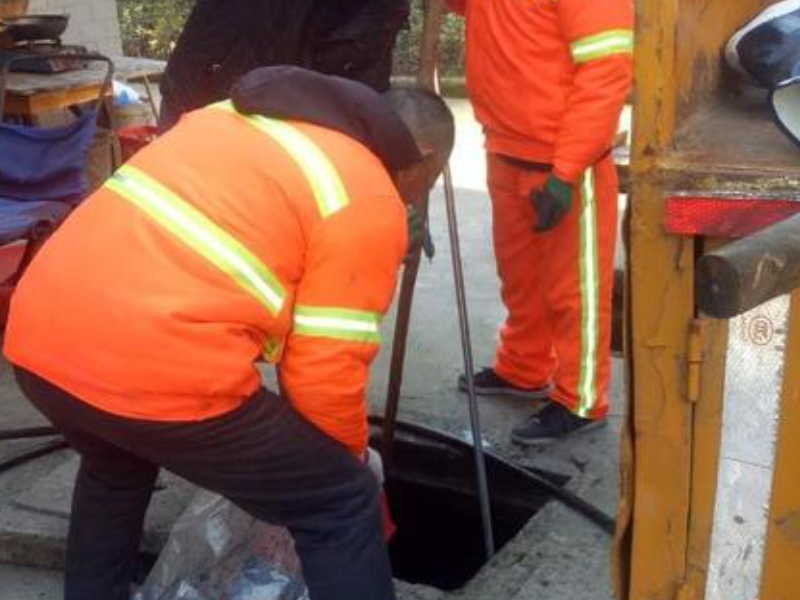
pixel 469 365
pixel 399 345
pixel 21 434
pixel 151 98
pixel 746 273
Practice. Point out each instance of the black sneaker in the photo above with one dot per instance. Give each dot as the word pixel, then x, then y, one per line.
pixel 489 383
pixel 552 423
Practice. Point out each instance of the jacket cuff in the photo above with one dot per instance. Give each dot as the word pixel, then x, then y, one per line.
pixel 569 173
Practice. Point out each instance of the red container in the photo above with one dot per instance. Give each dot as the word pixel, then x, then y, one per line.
pixel 11 256
pixel 133 139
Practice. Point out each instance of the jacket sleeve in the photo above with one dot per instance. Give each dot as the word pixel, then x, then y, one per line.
pixel 350 275
pixel 600 34
pixel 372 17
pixel 355 39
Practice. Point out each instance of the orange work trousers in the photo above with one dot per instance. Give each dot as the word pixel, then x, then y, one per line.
pixel 556 285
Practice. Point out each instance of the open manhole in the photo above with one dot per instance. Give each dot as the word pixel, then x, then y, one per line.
pixel 431 489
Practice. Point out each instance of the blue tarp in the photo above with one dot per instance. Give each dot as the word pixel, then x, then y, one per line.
pixel 46 163
pixel 17 218
pixel 42 173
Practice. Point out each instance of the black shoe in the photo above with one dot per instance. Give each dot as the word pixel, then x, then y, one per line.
pixel 489 383
pixel 552 423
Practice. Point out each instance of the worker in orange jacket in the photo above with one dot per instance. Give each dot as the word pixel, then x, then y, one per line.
pixel 548 80
pixel 272 226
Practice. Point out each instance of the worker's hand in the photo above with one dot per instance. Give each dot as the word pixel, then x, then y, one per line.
pixel 372 459
pixel 552 203
pixel 416 229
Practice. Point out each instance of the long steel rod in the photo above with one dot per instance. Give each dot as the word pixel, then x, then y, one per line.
pixel 399 346
pixel 469 365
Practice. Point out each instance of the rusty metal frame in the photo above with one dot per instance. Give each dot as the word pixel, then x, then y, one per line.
pixel 676 358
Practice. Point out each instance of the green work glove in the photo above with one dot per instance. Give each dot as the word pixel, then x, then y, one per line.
pixel 552 203
pixel 416 227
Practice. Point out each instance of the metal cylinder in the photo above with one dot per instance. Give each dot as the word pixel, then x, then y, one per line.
pixel 747 273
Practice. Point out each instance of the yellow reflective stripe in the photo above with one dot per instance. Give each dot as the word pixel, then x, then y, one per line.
pixel 593 47
pixel 337 323
pixel 326 184
pixel 199 233
pixel 590 297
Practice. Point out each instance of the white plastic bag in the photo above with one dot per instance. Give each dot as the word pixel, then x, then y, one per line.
pixel 216 551
pixel 124 94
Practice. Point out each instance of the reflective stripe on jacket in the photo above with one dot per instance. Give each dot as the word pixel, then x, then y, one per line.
pixel 548 78
pixel 228 239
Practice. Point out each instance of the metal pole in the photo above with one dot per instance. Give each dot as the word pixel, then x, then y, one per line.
pixel 401 327
pixel 428 77
pixel 469 366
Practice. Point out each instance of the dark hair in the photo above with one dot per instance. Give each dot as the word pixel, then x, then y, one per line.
pixel 427 118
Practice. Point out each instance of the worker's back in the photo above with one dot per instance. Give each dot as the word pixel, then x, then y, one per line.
pixel 158 294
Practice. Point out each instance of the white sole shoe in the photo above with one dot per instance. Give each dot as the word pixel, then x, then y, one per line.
pixel 776 10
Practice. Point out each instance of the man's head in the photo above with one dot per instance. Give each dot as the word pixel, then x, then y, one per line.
pixel 431 124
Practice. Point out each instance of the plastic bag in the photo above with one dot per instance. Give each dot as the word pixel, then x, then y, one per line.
pixel 216 551
pixel 124 94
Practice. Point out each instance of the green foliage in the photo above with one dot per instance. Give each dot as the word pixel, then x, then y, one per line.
pixel 151 27
pixel 451 45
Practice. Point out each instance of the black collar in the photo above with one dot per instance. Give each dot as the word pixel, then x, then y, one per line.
pixel 336 103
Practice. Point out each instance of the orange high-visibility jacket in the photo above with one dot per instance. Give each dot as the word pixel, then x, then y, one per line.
pixel 229 239
pixel 548 78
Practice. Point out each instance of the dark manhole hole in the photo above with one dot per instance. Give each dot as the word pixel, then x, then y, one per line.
pixel 431 492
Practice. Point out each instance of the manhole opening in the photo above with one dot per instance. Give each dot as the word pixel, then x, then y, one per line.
pixel 439 541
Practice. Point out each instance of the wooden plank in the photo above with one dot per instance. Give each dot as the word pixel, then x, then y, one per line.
pixel 655 106
pixel 732 145
pixel 131 68
pixel 706 440
pixel 662 309
pixel 781 577
pixel 28 84
pixel 661 271
pixel 37 104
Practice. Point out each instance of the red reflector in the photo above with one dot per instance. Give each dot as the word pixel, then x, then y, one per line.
pixel 725 217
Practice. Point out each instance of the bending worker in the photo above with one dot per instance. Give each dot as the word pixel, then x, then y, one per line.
pixel 237 235
pixel 548 80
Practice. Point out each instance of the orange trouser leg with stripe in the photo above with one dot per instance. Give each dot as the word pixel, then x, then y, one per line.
pixel 556 286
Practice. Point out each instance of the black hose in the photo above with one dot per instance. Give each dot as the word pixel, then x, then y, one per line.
pixel 11 463
pixel 575 502
pixel 21 434
pixel 568 498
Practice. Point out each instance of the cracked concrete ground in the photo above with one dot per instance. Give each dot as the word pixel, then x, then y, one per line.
pixel 559 554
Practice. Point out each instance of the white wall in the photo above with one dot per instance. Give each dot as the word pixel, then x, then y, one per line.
pixel 93 23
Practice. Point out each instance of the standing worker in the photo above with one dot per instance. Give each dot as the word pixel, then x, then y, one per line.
pixel 236 235
pixel 223 40
pixel 548 80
